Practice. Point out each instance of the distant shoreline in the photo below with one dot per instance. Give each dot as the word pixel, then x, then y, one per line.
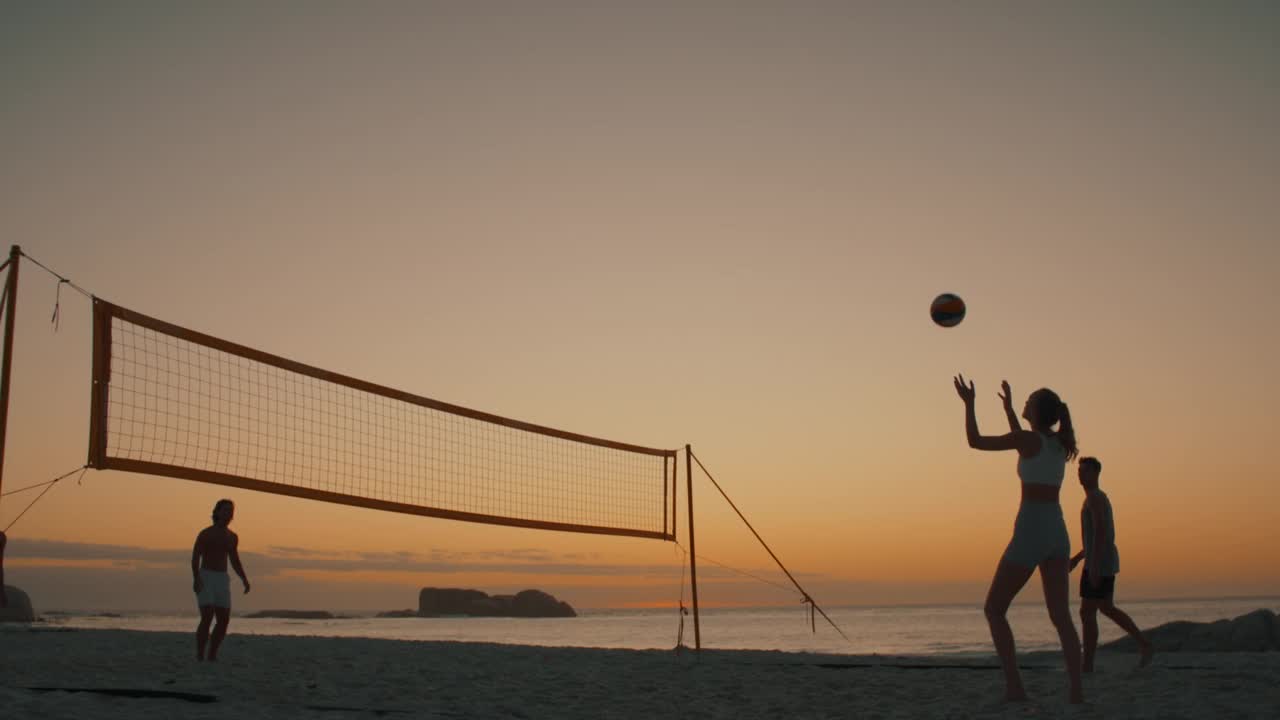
pixel 1272 600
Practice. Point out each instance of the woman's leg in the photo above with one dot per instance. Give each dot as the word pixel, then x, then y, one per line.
pixel 1053 575
pixel 1008 580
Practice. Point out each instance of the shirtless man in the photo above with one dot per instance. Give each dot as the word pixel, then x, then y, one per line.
pixel 214 546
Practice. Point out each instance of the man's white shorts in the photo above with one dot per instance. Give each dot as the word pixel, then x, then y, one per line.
pixel 215 589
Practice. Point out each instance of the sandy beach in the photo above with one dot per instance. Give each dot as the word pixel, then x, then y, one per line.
pixel 261 677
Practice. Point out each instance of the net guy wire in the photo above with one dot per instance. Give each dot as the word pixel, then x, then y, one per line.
pixel 49 486
pixel 806 595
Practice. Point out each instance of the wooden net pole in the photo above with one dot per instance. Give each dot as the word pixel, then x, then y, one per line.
pixel 693 556
pixel 11 308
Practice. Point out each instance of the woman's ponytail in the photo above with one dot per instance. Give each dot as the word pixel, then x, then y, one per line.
pixel 1067 432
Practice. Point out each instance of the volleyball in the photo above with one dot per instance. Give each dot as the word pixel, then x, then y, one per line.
pixel 947 310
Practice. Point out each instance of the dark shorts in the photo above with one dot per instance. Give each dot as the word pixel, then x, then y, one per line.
pixel 1105 590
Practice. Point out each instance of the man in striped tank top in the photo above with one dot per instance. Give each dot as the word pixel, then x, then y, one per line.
pixel 1101 563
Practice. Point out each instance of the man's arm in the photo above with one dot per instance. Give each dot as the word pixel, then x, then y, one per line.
pixel 196 551
pixel 1079 557
pixel 1099 532
pixel 233 554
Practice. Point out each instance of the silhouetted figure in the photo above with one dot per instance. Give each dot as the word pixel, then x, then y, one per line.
pixel 1101 563
pixel 4 596
pixel 214 546
pixel 1040 532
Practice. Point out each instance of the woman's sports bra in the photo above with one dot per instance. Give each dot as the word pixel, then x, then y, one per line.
pixel 1047 467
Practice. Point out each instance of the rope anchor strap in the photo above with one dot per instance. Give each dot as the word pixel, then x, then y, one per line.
pixel 684 560
pixel 57 303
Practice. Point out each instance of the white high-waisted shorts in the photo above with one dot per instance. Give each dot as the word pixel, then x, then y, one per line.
pixel 1039 533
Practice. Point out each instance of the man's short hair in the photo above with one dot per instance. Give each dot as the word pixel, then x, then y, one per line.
pixel 218 506
pixel 1092 462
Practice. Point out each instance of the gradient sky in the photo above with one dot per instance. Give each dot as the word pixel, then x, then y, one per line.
pixel 714 223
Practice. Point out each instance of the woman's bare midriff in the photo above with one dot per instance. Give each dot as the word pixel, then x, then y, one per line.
pixel 1039 493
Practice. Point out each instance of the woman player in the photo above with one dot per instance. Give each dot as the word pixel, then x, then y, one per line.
pixel 1040 532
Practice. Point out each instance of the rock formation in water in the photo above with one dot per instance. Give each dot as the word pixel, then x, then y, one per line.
pixel 398 614
pixel 293 614
pixel 434 602
pixel 19 609
pixel 1252 632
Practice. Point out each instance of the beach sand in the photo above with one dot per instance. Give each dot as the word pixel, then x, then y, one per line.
pixel 271 677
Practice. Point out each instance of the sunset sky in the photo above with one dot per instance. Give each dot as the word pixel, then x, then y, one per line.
pixel 666 223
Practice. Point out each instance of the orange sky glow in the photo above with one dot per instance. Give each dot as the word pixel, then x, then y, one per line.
pixel 666 226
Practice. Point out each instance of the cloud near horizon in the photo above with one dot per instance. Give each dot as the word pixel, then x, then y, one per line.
pixel 278 560
pixel 102 577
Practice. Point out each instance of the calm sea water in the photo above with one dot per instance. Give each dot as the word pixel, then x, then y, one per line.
pixel 901 630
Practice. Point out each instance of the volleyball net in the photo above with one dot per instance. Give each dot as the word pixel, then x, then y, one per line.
pixel 170 401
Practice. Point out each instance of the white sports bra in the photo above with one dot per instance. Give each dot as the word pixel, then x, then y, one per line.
pixel 1047 467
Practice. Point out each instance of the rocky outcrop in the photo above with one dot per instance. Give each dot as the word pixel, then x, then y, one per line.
pixel 293 614
pixel 398 614
pixel 19 609
pixel 434 602
pixel 1257 631
pixel 535 603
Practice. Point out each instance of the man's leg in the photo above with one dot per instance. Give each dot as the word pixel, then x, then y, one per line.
pixel 1121 618
pixel 219 630
pixel 1089 628
pixel 202 630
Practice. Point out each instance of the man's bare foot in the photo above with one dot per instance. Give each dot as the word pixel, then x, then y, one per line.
pixel 1076 696
pixel 1015 695
pixel 1147 650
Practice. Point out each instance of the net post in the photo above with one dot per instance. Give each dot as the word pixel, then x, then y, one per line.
pixel 675 493
pixel 101 379
pixel 693 556
pixel 11 307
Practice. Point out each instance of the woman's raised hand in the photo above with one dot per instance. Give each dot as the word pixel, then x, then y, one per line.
pixel 966 392
pixel 1006 394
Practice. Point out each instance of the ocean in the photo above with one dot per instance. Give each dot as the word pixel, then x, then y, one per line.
pixel 950 630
